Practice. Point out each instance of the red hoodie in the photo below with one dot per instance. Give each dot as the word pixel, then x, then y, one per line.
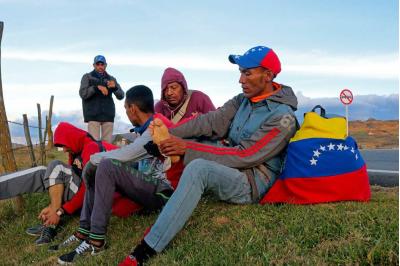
pixel 82 145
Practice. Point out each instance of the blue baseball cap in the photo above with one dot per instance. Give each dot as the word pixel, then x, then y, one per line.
pixel 259 56
pixel 99 58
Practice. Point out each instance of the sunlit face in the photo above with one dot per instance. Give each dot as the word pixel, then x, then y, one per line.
pixel 173 93
pixel 100 67
pixel 131 112
pixel 254 81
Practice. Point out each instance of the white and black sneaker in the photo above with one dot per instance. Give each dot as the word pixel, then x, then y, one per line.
pixel 72 240
pixel 83 249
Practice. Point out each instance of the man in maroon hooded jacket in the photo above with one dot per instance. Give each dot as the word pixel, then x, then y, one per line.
pixel 62 181
pixel 177 101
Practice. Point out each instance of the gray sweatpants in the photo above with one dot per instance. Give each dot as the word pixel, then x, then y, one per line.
pixel 111 176
pixel 39 179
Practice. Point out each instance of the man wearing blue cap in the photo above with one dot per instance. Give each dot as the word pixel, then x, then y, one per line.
pixel 98 106
pixel 256 126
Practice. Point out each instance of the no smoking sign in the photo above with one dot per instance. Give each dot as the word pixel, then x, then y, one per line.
pixel 346 97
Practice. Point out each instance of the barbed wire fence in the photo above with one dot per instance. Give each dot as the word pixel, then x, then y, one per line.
pixel 43 142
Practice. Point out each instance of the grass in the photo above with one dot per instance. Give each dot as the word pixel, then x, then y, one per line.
pixel 346 233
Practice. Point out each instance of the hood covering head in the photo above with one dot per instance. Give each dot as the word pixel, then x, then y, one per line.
pixel 173 75
pixel 286 96
pixel 70 136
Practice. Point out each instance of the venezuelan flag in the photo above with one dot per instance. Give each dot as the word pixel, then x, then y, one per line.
pixel 321 166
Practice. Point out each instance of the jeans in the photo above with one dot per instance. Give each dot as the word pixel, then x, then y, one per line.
pixel 200 175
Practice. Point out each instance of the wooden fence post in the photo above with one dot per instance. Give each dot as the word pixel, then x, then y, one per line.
pixel 6 152
pixel 50 144
pixel 41 143
pixel 29 140
pixel 45 130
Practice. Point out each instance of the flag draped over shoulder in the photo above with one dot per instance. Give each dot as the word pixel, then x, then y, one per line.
pixel 321 166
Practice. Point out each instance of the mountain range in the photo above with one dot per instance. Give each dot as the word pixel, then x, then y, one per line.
pixel 364 107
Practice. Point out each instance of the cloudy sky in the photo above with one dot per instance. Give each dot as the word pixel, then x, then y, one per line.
pixel 324 46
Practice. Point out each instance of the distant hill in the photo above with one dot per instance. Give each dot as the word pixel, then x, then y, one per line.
pixel 379 132
pixel 363 107
pixel 372 134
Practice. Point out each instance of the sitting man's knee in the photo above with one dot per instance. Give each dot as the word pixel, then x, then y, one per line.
pixel 54 163
pixel 197 168
pixel 197 164
pixel 107 164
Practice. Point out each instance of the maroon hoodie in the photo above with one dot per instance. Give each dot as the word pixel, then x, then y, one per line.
pixel 199 102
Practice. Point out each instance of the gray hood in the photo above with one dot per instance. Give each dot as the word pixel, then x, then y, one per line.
pixel 285 96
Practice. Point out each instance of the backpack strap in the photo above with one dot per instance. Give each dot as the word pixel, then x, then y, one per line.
pixel 182 110
pixel 322 110
pixel 98 142
pixel 100 145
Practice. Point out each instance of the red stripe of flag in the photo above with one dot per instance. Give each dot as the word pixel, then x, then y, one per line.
pixel 349 186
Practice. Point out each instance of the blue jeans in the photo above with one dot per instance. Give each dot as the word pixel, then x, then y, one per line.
pixel 200 175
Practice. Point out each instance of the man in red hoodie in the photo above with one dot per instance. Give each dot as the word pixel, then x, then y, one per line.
pixel 177 101
pixel 62 181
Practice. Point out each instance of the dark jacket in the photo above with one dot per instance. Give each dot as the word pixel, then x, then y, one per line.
pixel 96 106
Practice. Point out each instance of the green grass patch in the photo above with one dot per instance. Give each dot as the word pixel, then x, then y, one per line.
pixel 345 233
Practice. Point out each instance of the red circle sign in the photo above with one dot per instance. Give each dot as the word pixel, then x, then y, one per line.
pixel 346 97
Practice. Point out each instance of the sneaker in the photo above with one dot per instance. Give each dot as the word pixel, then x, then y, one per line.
pixel 130 261
pixel 82 249
pixel 35 230
pixel 47 235
pixel 68 242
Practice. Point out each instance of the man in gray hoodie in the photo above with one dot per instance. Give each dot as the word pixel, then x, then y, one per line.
pixel 256 126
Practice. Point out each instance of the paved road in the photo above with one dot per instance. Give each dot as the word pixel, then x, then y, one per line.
pixel 383 166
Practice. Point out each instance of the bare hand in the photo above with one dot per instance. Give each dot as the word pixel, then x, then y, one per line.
pixel 52 218
pixel 111 84
pixel 173 146
pixel 78 163
pixel 42 215
pixel 151 128
pixel 103 90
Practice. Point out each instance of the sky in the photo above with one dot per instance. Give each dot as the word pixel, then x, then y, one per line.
pixel 324 46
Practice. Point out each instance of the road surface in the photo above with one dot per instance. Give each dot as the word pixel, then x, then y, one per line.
pixel 383 166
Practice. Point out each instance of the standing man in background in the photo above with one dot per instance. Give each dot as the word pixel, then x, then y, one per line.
pixel 96 92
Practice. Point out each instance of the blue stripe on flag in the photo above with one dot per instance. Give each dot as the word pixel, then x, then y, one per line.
pixel 317 157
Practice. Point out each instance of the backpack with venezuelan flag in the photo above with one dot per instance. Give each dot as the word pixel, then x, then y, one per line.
pixel 322 165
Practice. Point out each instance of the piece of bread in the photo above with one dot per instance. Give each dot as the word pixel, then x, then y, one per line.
pixel 160 133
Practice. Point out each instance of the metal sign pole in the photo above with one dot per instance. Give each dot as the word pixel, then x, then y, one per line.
pixel 346 97
pixel 347 119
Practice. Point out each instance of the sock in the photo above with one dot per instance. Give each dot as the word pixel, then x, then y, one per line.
pixel 143 252
pixel 82 233
pixel 97 240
